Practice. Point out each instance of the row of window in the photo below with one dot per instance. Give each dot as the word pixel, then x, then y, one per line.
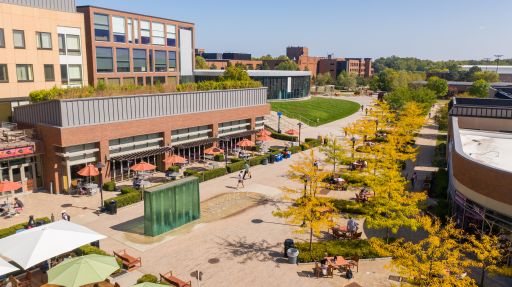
pixel 143 60
pixel 156 80
pixel 70 74
pixel 133 31
pixel 68 44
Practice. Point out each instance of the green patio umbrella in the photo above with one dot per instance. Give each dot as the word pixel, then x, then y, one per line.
pixel 82 270
pixel 149 284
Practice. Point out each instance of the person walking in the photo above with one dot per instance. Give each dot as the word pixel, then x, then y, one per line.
pixel 414 177
pixel 366 111
pixel 247 172
pixel 362 107
pixel 240 179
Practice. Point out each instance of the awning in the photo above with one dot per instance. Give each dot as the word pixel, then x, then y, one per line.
pixel 196 143
pixel 142 154
pixel 240 134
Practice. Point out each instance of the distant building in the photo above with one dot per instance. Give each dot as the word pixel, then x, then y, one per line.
pixel 480 163
pixel 504 72
pixel 222 60
pixel 42 45
pixel 301 56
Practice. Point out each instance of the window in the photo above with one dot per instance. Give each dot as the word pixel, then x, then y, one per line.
pixel 123 59
pixel 158 80
pixel 73 45
pixel 101 27
pixel 49 73
pixel 140 81
pixel 139 60
pixel 171 35
pixel 75 74
pixel 160 61
pixel 24 73
pixel 118 29
pixel 157 31
pixel 151 60
pixel 19 39
pixel 113 81
pixel 129 81
pixel 2 38
pixel 144 32
pixel 4 76
pixel 62 44
pixel 64 74
pixel 130 27
pixel 43 40
pixel 136 31
pixel 172 61
pixel 104 60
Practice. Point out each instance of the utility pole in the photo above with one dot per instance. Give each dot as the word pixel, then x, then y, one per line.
pixel 487 63
pixel 497 61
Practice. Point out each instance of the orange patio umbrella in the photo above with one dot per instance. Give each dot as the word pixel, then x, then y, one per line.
pixel 213 151
pixel 173 159
pixel 245 143
pixel 263 132
pixel 6 186
pixel 142 166
pixel 263 137
pixel 89 170
pixel 292 132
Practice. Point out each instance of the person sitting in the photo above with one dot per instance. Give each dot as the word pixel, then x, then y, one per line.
pixel 324 266
pixel 18 205
pixel 137 182
pixel 31 222
pixel 65 215
pixel 352 225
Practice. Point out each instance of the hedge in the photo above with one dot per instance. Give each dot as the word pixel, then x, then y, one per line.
pixel 354 178
pixel 218 157
pixel 109 186
pixel 12 230
pixel 236 159
pixel 128 189
pixel 283 137
pixel 214 173
pixel 175 168
pixel 345 248
pixel 349 206
pixel 439 187
pixel 313 142
pixel 125 199
pixel 147 278
pixel 257 160
pixel 233 167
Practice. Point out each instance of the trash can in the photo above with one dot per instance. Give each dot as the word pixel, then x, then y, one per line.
pixel 271 158
pixel 264 161
pixel 288 243
pixel 292 253
pixel 113 207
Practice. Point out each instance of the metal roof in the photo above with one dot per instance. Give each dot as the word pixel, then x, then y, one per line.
pixel 256 73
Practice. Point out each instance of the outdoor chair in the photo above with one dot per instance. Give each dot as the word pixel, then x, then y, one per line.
pixel 338 234
pixel 318 271
pixel 354 262
pixel 174 281
pixel 357 235
pixel 129 262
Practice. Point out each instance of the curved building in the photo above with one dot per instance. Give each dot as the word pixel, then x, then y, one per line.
pixel 480 162
pixel 282 85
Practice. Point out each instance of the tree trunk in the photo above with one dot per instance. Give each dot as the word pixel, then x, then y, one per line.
pixel 310 238
pixel 387 235
pixel 482 277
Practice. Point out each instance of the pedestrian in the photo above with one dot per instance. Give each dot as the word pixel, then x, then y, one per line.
pixel 429 115
pixel 65 215
pixel 52 218
pixel 246 170
pixel 366 111
pixel 362 106
pixel 240 179
pixel 414 177
pixel 315 164
pixel 352 225
pixel 31 222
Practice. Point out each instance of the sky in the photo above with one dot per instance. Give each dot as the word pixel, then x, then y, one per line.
pixel 427 29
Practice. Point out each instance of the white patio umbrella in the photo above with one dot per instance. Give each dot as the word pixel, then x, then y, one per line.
pixel 38 244
pixel 6 267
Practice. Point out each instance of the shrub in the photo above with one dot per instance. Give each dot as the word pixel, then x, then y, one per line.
pixel 89 249
pixel 214 173
pixel 295 149
pixel 345 248
pixel 232 167
pixel 125 199
pixel 175 168
pixel 354 178
pixel 349 206
pixel 147 278
pixel 313 142
pixel 128 189
pixel 440 184
pixel 190 172
pixel 257 160
pixel 109 186
pixel 218 157
pixel 236 159
pixel 283 137
pixel 12 230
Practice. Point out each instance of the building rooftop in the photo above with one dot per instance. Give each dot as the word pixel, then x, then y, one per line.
pixel 489 148
pixel 490 68
pixel 256 73
pixel 128 12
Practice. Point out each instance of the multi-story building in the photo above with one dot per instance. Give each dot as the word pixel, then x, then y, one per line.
pixel 222 60
pixel 357 66
pixel 130 48
pixel 480 162
pixel 119 131
pixel 42 45
pixel 301 56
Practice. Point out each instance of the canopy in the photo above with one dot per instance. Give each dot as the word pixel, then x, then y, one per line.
pixel 175 159
pixel 263 138
pixel 142 166
pixel 245 143
pixel 41 243
pixel 213 151
pixel 264 132
pixel 6 186
pixel 83 270
pixel 292 132
pixel 89 170
pixel 6 267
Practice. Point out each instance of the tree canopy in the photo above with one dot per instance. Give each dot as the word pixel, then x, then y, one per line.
pixel 438 85
pixel 236 74
pixel 201 63
pixel 288 65
pixel 480 89
pixel 346 81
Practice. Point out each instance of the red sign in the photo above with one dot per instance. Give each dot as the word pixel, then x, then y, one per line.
pixel 12 152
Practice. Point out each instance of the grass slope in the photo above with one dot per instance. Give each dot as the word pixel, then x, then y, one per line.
pixel 323 109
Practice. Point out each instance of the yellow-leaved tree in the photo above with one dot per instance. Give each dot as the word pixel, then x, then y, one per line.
pixel 306 209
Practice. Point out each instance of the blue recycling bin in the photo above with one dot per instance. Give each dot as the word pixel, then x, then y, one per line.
pixel 279 157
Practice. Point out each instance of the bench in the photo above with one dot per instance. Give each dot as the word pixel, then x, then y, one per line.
pixel 129 262
pixel 174 281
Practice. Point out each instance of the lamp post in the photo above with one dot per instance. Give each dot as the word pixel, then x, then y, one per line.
pixel 497 61
pixel 279 115
pixel 300 127
pixel 225 141
pixel 100 166
pixel 353 139
pixel 305 178
pixel 376 126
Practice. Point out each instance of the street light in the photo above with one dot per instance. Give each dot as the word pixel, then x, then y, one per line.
pixel 497 61
pixel 300 126
pixel 225 141
pixel 100 166
pixel 279 115
pixel 353 139
pixel 376 126
pixel 305 178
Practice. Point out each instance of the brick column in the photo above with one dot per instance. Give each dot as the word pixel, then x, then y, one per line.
pixel 253 126
pixel 215 133
pixel 167 142
pixel 103 153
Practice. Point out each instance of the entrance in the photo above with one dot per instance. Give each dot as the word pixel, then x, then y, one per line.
pixel 21 170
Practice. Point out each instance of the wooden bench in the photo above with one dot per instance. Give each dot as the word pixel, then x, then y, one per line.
pixel 174 281
pixel 129 262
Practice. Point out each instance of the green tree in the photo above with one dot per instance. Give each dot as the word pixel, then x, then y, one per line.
pixel 282 57
pixel 424 97
pixel 480 89
pixel 398 98
pixel 438 85
pixel 265 66
pixel 362 81
pixel 334 152
pixel 201 63
pixel 266 57
pixel 346 81
pixel 324 79
pixel 488 76
pixel 213 66
pixel 236 74
pixel 441 118
pixel 288 65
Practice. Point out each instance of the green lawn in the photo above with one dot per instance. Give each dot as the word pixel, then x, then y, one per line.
pixel 308 111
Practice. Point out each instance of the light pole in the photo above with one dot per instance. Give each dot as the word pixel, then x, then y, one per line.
pixel 487 62
pixel 305 178
pixel 353 139
pixel 279 115
pixel 376 126
pixel 300 126
pixel 100 166
pixel 225 141
pixel 497 61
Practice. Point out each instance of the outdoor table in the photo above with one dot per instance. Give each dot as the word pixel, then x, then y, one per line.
pixel 91 187
pixel 342 228
pixel 340 261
